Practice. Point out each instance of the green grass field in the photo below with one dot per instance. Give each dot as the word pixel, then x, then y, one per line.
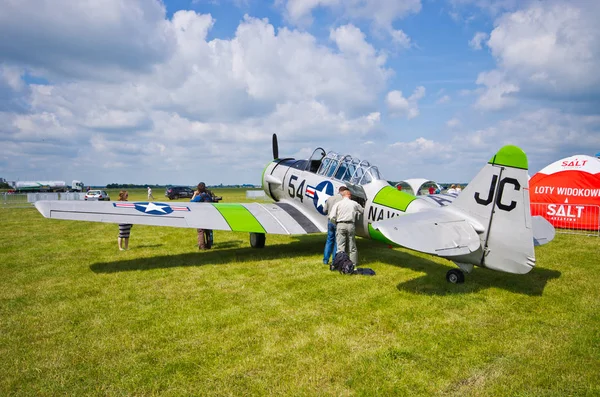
pixel 80 317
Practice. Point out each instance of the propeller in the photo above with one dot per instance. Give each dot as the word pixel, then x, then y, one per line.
pixel 275 147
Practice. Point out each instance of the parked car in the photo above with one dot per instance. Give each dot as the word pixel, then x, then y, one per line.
pixel 99 195
pixel 176 192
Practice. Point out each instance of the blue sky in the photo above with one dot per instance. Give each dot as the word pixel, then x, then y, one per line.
pixel 179 91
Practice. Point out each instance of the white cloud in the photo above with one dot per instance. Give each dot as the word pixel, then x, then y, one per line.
pixel 214 97
pixel 453 122
pixel 546 50
pixel 476 41
pixel 497 94
pixel 11 76
pixel 399 106
pixel 351 41
pixel 444 99
pixel 300 11
pixel 489 7
pixel 418 93
pixel 381 13
pixel 545 135
pixel 84 38
pixel 401 38
pixel 418 147
pixel 419 158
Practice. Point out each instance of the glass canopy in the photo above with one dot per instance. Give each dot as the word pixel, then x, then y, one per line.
pixel 347 169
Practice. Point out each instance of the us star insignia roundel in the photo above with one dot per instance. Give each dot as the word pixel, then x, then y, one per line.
pixel 153 208
pixel 320 194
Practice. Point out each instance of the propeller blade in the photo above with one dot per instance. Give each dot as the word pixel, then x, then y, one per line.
pixel 275 147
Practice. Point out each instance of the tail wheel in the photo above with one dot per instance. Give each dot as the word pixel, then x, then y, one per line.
pixel 257 240
pixel 455 276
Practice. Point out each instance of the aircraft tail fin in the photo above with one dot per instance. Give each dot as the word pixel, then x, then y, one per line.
pixel 497 199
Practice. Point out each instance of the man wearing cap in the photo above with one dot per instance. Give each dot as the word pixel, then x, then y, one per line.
pixel 344 213
pixel 330 246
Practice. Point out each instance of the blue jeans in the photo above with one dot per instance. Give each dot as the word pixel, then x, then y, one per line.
pixel 330 246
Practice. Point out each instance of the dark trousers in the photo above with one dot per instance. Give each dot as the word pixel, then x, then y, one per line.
pixel 205 238
pixel 330 248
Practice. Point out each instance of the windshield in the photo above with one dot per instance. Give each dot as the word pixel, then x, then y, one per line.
pixel 348 169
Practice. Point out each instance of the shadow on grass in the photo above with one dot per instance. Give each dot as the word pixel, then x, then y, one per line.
pixel 229 244
pixel 233 251
pixel 434 283
pixel 370 252
pixel 222 253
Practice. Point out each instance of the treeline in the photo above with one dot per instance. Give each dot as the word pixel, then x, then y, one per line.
pixel 135 186
pixel 131 186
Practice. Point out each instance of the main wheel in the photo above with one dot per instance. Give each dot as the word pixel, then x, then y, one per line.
pixel 257 240
pixel 455 276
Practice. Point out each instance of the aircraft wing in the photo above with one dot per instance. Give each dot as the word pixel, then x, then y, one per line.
pixel 273 218
pixel 434 231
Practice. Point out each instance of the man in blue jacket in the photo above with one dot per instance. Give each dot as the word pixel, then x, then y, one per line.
pixel 205 236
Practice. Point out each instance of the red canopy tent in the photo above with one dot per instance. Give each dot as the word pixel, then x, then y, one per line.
pixel 567 193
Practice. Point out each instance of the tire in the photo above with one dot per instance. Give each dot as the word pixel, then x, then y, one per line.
pixel 455 276
pixel 257 240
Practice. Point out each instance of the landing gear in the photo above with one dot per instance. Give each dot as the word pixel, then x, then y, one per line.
pixel 257 240
pixel 455 276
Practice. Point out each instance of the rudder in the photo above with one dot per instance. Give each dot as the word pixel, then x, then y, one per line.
pixel 498 200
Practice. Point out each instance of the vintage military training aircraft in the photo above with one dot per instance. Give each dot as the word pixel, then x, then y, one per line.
pixel 489 224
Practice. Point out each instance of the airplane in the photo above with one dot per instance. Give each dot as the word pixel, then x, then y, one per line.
pixel 488 225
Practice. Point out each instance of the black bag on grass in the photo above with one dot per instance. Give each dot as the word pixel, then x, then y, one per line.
pixel 365 271
pixel 342 263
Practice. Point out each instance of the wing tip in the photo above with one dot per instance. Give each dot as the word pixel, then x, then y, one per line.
pixel 43 207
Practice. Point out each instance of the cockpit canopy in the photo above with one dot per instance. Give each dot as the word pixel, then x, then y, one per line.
pixel 344 168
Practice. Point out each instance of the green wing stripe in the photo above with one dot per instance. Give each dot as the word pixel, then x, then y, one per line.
pixel 378 236
pixel 239 218
pixel 393 198
pixel 510 156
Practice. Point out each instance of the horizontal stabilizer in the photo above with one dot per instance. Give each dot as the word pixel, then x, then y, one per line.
pixel 435 231
pixel 543 231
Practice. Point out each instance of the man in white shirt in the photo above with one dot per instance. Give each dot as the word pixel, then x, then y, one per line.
pixel 344 213
pixel 150 196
